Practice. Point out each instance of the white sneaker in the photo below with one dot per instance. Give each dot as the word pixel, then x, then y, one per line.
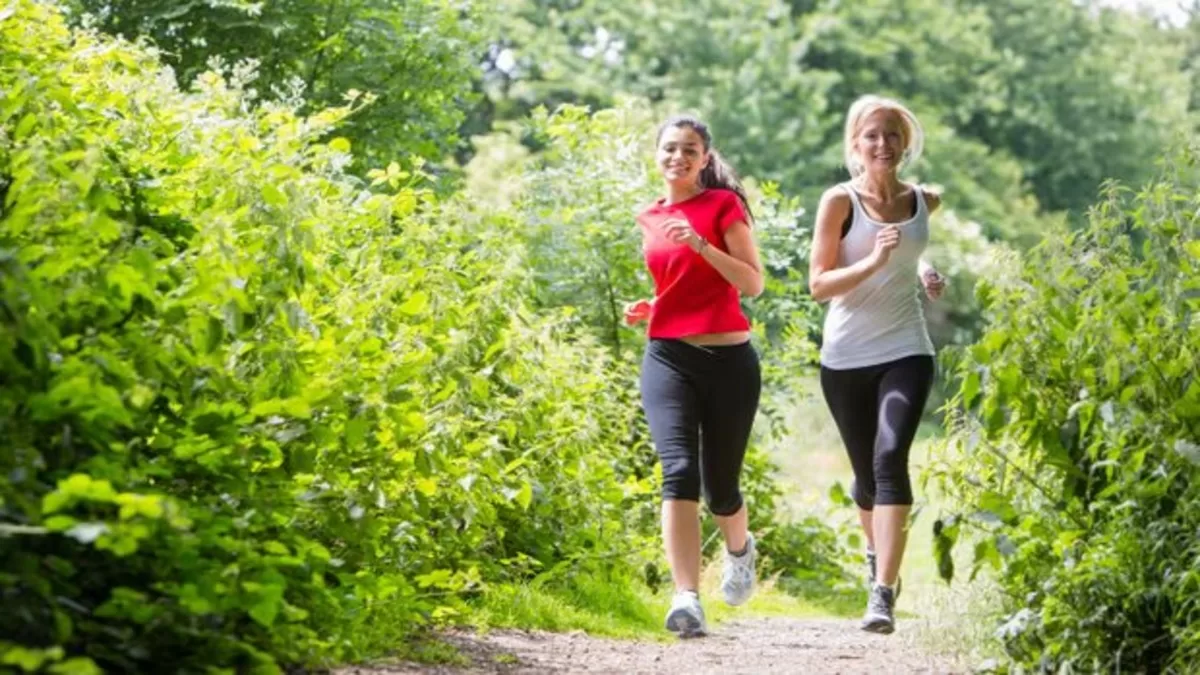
pixel 686 618
pixel 880 615
pixel 737 575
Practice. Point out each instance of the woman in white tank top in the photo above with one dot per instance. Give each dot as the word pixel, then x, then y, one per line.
pixel 876 356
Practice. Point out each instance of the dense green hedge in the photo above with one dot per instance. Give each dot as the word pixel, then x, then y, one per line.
pixel 1077 457
pixel 253 410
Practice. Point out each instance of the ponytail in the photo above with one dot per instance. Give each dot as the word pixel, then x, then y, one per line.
pixel 718 173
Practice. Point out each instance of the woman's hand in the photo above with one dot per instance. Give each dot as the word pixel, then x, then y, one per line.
pixel 681 232
pixel 885 242
pixel 933 282
pixel 638 311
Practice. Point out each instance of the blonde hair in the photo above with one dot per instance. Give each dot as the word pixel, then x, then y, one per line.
pixel 864 107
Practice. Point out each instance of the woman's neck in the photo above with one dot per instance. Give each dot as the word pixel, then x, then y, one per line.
pixel 885 187
pixel 680 193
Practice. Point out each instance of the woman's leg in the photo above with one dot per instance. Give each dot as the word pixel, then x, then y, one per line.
pixel 903 390
pixel 730 405
pixel 729 408
pixel 851 395
pixel 681 539
pixel 672 410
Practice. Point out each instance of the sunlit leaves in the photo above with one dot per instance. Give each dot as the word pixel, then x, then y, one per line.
pixel 245 385
pixel 1074 460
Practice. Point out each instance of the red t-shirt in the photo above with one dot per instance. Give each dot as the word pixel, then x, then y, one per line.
pixel 691 296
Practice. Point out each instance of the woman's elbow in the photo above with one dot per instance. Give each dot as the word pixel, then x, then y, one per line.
pixel 817 290
pixel 754 286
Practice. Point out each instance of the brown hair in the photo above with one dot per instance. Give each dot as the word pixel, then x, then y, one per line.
pixel 718 173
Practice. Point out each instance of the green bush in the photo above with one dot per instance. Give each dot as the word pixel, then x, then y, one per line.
pixel 1076 458
pixel 255 411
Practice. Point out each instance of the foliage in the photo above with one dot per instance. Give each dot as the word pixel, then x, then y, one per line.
pixel 1053 98
pixel 417 58
pixel 578 202
pixel 255 411
pixel 1119 98
pixel 1075 458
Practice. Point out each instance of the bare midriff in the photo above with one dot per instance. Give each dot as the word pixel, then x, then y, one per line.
pixel 717 339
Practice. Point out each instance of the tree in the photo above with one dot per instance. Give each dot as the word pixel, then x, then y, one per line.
pixel 417 57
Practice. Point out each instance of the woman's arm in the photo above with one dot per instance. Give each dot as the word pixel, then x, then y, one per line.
pixel 825 278
pixel 740 266
pixel 932 280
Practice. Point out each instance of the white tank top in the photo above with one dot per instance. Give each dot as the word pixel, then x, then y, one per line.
pixel 881 319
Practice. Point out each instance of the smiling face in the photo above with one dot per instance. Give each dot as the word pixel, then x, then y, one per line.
pixel 881 141
pixel 681 155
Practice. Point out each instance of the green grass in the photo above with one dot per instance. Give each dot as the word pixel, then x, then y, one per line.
pixel 620 610
pixel 598 607
pixel 429 651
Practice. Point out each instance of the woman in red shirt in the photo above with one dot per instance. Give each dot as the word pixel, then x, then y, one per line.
pixel 700 379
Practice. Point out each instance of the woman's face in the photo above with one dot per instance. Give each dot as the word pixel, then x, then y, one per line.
pixel 880 142
pixel 681 155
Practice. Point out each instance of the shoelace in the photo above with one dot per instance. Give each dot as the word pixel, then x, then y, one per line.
pixel 880 602
pixel 738 570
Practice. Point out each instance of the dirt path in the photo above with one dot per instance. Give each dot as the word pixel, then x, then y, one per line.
pixel 775 645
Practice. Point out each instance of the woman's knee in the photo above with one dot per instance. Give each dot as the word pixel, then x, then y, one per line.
pixel 863 494
pixel 893 485
pixel 681 478
pixel 725 502
pixel 894 491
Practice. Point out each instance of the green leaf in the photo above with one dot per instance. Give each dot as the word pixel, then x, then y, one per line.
pixel 273 196
pixel 970 388
pixel 59 523
pixel 838 495
pixel 427 486
pixel 56 501
pixel 998 504
pixel 340 144
pixel 76 666
pixel 24 126
pixel 293 407
pixel 416 304
pixel 524 496
pixel 435 579
pixel 267 606
pixel 29 660
pixel 276 548
pixel 193 601
pixel 356 432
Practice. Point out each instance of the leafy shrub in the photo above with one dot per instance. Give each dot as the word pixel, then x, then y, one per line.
pixel 1076 457
pixel 254 412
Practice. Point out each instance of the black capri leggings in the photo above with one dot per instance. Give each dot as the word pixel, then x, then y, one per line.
pixel 877 410
pixel 700 403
